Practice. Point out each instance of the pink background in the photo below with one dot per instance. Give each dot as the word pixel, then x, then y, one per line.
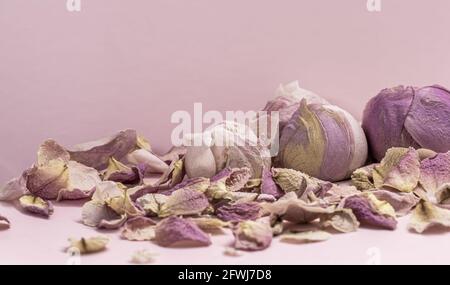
pixel 130 64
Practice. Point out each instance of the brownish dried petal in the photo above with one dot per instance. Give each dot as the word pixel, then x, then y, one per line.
pixel 97 214
pixel 342 220
pixel 173 175
pixel 50 150
pixel 89 245
pixel 177 232
pixel 152 203
pixel 14 189
pixel 238 212
pixel 36 205
pixel 97 153
pixel 4 223
pixel 268 185
pixel 362 177
pixel 427 215
pixel 119 172
pixel 124 205
pixel 210 224
pixel 401 202
pixel 139 229
pixel 184 202
pixel 252 236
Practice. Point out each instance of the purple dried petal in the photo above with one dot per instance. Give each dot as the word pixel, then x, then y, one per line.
pixel 401 202
pixel 144 157
pixel 97 153
pixel 268 186
pixel 252 236
pixel 36 205
pixel 366 215
pixel 174 232
pixel 238 212
pixel 184 202
pixel 435 171
pixel 14 189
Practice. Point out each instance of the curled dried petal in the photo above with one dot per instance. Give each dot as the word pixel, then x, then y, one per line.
pixel 309 236
pixel 106 190
pixel 4 223
pixel 50 150
pixel 434 172
pixel 89 245
pixel 100 215
pixel 427 215
pixel 400 201
pixel 268 185
pixel 174 231
pixel 362 177
pixel 173 175
pixel 36 205
pixel 251 236
pixel 399 169
pixel 124 205
pixel 139 229
pixel 367 214
pixel 184 202
pixel 144 157
pixel 14 189
pixel 119 172
pixel 443 194
pixel 210 224
pixel 239 212
pixel 342 220
pixel 152 203
pixel 295 181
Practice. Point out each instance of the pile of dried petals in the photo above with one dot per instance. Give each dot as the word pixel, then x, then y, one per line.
pixel 206 190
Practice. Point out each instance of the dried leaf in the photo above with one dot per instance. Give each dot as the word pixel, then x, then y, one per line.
pixel 399 169
pixel 342 220
pixel 184 202
pixel 89 245
pixel 36 205
pixel 303 237
pixel 176 232
pixel 139 229
pixel 238 212
pixel 97 153
pixel 252 236
pixel 427 215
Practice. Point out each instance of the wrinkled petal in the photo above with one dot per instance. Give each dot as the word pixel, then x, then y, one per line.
pixel 303 237
pixel 173 175
pixel 210 224
pixel 50 150
pixel 139 229
pixel 434 172
pixel 252 236
pixel 97 153
pixel 399 169
pixel 122 173
pixel 362 177
pixel 199 184
pixel 124 205
pixel 339 192
pixel 400 201
pixel 174 231
pixel 302 184
pixel 81 182
pixel 342 220
pixel 238 212
pixel 443 194
pixel 368 214
pixel 292 209
pixel 36 205
pixel 106 190
pixel 184 202
pixel 232 179
pixel 268 185
pixel 96 214
pixel 14 189
pixel 427 215
pixel 89 245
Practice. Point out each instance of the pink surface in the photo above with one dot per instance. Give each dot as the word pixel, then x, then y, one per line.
pixel 130 64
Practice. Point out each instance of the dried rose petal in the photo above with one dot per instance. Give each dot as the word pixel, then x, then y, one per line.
pixel 251 236
pixel 399 169
pixel 427 215
pixel 122 173
pixel 97 153
pixel 4 223
pixel 367 214
pixel 434 172
pixel 81 182
pixel 303 237
pixel 268 185
pixel 342 220
pixel 238 212
pixel 184 202
pixel 106 190
pixel 36 205
pixel 338 192
pixel 14 189
pixel 401 202
pixel 443 194
pixel 199 184
pixel 143 257
pixel 362 177
pixel 233 179
pixel 100 215
pixel 292 209
pixel 139 229
pixel 173 175
pixel 144 157
pixel 50 150
pixel 152 203
pixel 89 245
pixel 302 184
pixel 210 224
pixel 175 153
pixel 174 231
pixel 124 205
